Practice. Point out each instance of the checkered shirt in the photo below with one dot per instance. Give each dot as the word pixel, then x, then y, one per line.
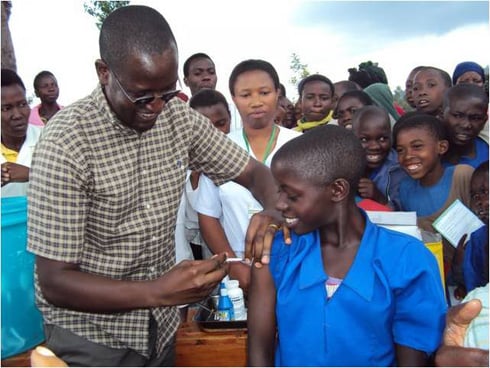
pixel 106 197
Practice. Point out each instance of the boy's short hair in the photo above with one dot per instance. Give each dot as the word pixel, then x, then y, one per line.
pixel 312 78
pixel 465 90
pixel 250 65
pixel 360 95
pixel 190 59
pixel 208 97
pixel 42 74
pixel 416 119
pixel 325 154
pixel 10 78
pixel 368 111
pixel 481 169
pixel 348 85
pixel 444 75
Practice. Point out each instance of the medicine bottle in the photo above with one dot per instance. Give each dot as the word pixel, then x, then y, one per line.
pixel 225 306
pixel 236 295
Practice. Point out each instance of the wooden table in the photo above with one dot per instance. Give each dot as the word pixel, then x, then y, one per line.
pixel 194 348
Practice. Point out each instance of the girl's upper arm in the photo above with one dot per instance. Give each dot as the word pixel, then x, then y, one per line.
pixel 261 317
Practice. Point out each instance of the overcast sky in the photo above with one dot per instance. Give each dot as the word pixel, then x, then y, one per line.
pixel 329 36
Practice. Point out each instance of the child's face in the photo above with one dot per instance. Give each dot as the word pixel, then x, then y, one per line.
pixel 419 153
pixel 374 132
pixel 464 119
pixel 428 91
pixel 285 112
pixel 346 108
pixel 317 100
pixel 409 89
pixel 219 116
pixel 256 98
pixel 479 195
pixel 303 205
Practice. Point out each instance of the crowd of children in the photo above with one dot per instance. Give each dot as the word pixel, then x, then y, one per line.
pixel 338 271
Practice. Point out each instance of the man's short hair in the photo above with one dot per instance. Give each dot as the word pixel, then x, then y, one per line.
pixel 190 59
pixel 133 29
pixel 37 78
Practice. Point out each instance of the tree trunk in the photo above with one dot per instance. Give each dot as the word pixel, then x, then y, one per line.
pixel 8 54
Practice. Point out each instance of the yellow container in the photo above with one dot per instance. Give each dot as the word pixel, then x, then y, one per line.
pixel 433 241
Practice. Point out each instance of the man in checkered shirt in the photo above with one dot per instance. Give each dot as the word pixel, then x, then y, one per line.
pixel 105 184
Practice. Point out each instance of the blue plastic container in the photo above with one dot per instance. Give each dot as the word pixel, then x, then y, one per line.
pixel 22 326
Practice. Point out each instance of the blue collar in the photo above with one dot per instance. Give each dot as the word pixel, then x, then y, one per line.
pixel 360 277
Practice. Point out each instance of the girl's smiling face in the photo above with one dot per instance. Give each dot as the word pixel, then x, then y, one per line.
pixel 304 206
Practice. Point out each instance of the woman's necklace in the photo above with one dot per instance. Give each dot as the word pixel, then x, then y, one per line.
pixel 268 148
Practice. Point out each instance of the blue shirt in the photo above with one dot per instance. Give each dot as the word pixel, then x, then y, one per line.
pixel 391 294
pixel 481 155
pixel 387 179
pixel 426 200
pixel 475 261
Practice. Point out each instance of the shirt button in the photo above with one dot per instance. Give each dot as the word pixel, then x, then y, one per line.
pixel 152 269
pixel 153 237
pixel 148 206
pixel 144 172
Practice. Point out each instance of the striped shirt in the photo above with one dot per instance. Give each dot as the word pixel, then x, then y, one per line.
pixel 105 197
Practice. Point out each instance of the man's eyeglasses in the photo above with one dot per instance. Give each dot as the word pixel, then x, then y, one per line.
pixel 144 100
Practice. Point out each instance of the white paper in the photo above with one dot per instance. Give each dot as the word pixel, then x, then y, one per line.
pixel 393 217
pixel 404 222
pixel 456 221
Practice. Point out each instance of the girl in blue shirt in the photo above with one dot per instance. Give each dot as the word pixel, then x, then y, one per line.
pixel 345 292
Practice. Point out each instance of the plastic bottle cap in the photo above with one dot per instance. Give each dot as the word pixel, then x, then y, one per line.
pixel 223 292
pixel 232 284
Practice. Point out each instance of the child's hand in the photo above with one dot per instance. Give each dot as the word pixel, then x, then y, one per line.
pixel 367 189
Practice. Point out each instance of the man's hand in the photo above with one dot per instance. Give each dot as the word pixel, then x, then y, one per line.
pixel 451 352
pixel 190 281
pixel 65 285
pixel 260 233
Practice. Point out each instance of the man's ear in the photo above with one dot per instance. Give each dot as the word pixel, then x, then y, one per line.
pixel 102 71
pixel 443 146
pixel 340 189
pixel 186 81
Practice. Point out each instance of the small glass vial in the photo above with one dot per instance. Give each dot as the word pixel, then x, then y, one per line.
pixel 225 306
